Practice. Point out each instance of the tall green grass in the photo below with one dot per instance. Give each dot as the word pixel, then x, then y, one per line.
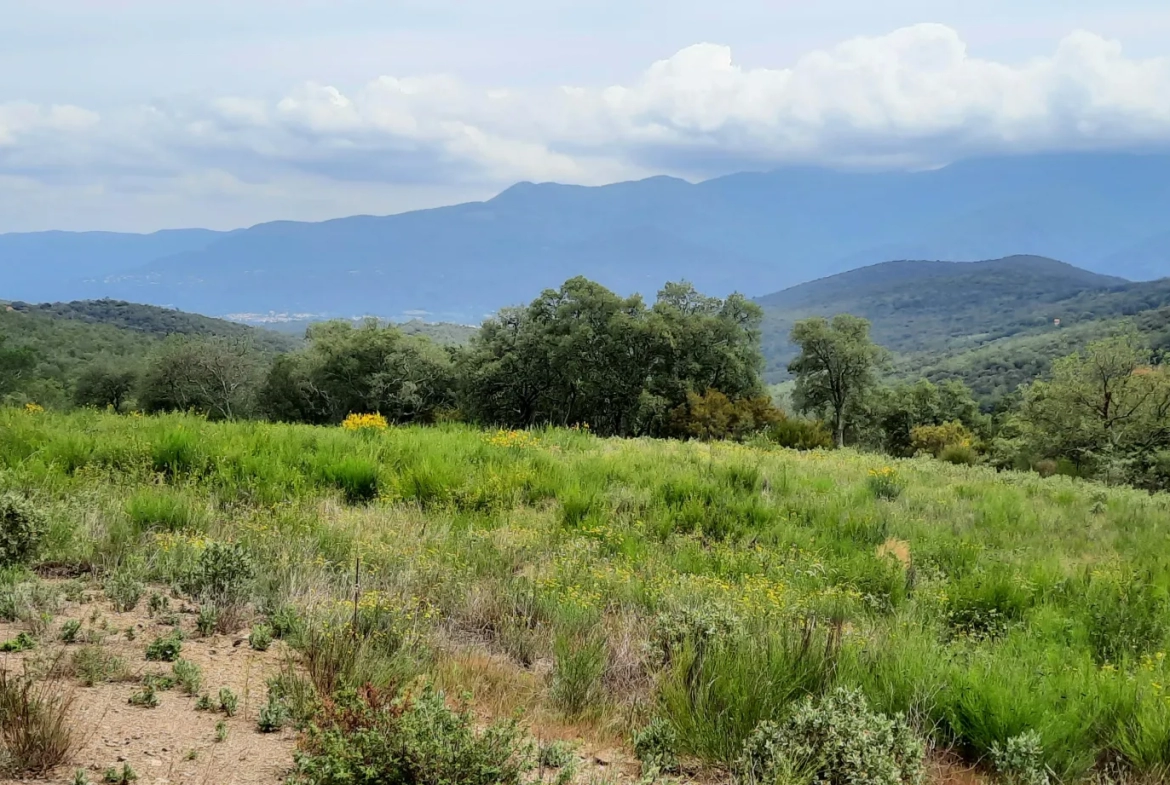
pixel 981 605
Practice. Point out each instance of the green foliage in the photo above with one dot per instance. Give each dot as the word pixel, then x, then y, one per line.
pixel 161 509
pixel 416 740
pixel 206 620
pixel 1021 760
pixel 1126 615
pixel 22 642
pixel 221 731
pixel 124 589
pixel 93 664
pixel 102 386
pixel 69 631
pixel 188 676
pixel 579 661
pixel 229 702
pixel 223 574
pixel 212 376
pixel 835 739
pixel 795 433
pixel 165 648
pixel 272 716
pixel 885 484
pixel 22 529
pixel 357 479
pixel 124 776
pixel 261 637
pixel 713 415
pixel 145 698
pixel 836 367
pixel 656 746
pixel 582 354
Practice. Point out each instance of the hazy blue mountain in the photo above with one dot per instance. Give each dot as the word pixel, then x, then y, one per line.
pixel 39 266
pixel 752 232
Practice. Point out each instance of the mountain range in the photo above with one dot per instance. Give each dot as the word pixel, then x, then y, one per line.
pixel 754 232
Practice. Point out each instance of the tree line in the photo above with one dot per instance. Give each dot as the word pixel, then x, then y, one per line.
pixel 686 365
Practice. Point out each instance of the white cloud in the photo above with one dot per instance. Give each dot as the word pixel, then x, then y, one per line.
pixel 913 97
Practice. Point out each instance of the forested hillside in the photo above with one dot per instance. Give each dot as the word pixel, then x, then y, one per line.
pixel 993 324
pixel 45 348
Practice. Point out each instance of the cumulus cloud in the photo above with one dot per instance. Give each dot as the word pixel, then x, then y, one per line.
pixel 913 97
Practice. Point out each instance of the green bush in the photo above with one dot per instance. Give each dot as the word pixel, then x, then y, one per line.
pixel 22 530
pixel 124 590
pixel 797 434
pixel 188 676
pixel 261 637
pixel 223 575
pixel 836 739
pixel 1020 761
pixel 656 746
pixel 417 739
pixel 69 631
pixel 272 716
pixel 959 455
pixel 165 648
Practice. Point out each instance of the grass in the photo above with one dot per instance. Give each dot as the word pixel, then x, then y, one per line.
pixel 705 587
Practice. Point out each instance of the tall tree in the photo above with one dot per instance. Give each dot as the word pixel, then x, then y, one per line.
pixel 103 385
pixel 836 366
pixel 1104 405
pixel 215 376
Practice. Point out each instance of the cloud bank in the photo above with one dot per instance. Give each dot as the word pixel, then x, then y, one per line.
pixel 912 98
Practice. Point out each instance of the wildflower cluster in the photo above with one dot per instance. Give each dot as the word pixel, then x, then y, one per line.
pixel 884 483
pixel 365 423
pixel 33 408
pixel 518 439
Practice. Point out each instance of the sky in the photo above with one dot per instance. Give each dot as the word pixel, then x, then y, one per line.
pixel 138 115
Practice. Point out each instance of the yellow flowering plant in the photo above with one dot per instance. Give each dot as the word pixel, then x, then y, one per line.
pixel 365 423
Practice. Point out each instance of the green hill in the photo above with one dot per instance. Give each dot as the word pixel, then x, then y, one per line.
pixel 64 338
pixel 993 323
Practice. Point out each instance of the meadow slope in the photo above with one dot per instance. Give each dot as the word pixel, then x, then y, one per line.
pixel 592 585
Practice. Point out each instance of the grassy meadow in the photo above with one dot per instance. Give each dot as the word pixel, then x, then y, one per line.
pixel 624 584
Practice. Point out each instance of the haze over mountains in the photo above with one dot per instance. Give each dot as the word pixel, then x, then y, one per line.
pixel 755 233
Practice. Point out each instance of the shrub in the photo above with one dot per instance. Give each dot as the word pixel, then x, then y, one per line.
pixel 272 716
pixel 22 529
pixel 35 733
pixel 885 484
pixel 1021 760
pixel 959 455
pixel 934 439
pixel 556 754
pixel 206 620
pixel 798 434
pixel 836 739
pixel 22 642
pixel 223 575
pixel 285 623
pixel 296 692
pixel 261 637
pixel 165 648
pixel 124 590
pixel 713 415
pixel 229 703
pixel 415 739
pixel 188 676
pixel 145 697
pixel 985 605
pixel 656 746
pixel 92 664
pixel 69 631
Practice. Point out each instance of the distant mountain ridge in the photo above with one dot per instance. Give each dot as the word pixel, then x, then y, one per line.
pixel 750 232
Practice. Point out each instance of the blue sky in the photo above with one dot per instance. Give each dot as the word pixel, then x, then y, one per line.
pixel 136 115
